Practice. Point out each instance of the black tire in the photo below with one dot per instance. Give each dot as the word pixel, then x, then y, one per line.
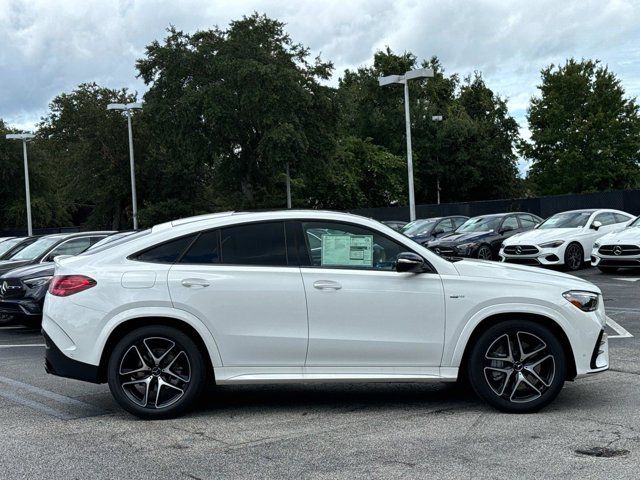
pixel 608 269
pixel 506 391
pixel 573 257
pixel 484 252
pixel 183 360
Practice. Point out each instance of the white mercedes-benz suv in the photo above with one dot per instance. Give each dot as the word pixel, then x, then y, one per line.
pixel 310 296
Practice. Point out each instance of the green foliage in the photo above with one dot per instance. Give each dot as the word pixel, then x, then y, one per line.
pixel 585 135
pixel 227 110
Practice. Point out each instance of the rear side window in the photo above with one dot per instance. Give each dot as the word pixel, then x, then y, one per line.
pixel 527 221
pixel 621 218
pixel 205 250
pixel 167 252
pixel 254 244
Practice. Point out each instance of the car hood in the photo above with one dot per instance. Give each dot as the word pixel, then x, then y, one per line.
pixel 536 237
pixel 628 236
pixel 32 271
pixel 458 238
pixel 8 265
pixel 522 273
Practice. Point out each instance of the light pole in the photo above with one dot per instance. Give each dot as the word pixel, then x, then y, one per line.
pixel 126 108
pixel 25 137
pixel 404 80
pixel 288 187
pixel 437 118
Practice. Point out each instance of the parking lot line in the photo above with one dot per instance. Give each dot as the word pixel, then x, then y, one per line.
pixel 628 279
pixel 80 409
pixel 12 327
pixel 620 330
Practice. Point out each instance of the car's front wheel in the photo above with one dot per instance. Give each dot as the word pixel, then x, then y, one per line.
pixel 573 257
pixel 484 252
pixel 156 372
pixel 517 366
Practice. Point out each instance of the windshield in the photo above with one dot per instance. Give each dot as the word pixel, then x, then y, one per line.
pixel 36 249
pixel 479 224
pixel 566 220
pixel 635 223
pixel 9 244
pixel 417 227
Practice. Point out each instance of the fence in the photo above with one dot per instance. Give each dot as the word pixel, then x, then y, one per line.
pixel 626 200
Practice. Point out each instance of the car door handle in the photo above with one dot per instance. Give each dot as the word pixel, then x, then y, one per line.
pixel 195 282
pixel 326 285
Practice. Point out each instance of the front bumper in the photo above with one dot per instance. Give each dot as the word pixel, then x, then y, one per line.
pixel 21 308
pixel 543 257
pixel 57 363
pixel 599 260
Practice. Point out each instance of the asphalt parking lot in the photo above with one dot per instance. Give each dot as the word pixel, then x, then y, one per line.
pixel 52 427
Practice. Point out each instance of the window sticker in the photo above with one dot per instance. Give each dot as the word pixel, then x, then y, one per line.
pixel 347 250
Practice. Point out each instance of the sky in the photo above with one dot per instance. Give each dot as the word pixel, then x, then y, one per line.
pixel 50 46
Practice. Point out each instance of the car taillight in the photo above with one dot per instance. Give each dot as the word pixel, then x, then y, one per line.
pixel 65 285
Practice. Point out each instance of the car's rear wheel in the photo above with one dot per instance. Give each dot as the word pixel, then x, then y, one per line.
pixel 484 252
pixel 573 257
pixel 517 366
pixel 608 269
pixel 156 372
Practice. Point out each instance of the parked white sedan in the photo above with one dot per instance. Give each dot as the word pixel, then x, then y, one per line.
pixel 618 249
pixel 244 298
pixel 564 239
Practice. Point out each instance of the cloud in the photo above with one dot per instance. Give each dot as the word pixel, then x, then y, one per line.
pixel 48 47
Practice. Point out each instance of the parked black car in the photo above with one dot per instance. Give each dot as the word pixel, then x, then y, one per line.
pixel 425 230
pixel 22 290
pixel 481 237
pixel 9 247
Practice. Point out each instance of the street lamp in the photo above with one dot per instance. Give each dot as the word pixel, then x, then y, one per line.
pixel 404 80
pixel 25 137
pixel 126 108
pixel 437 118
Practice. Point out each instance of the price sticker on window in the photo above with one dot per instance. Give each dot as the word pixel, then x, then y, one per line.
pixel 347 250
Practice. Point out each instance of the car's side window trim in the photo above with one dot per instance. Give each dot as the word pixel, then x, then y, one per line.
pixel 306 253
pixel 55 247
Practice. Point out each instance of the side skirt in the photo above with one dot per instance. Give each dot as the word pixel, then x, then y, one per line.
pixel 246 375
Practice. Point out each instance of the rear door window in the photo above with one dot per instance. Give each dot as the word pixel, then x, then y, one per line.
pixel 260 244
pixel 205 250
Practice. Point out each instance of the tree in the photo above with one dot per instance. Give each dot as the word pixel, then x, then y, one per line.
pixel 231 108
pixel 585 135
pixel 470 153
pixel 86 148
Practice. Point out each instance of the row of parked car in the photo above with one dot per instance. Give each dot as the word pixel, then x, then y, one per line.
pixel 26 268
pixel 608 239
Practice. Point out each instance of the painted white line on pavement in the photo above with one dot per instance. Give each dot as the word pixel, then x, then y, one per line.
pixel 12 327
pixel 622 333
pixel 628 279
pixel 24 345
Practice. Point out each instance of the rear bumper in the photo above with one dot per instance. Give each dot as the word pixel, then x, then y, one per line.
pixel 57 363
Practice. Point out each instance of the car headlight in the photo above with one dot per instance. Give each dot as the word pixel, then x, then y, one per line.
pixel 37 282
pixel 465 247
pixel 554 244
pixel 585 301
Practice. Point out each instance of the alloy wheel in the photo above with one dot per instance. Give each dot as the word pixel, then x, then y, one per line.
pixel 484 253
pixel 154 372
pixel 573 257
pixel 519 367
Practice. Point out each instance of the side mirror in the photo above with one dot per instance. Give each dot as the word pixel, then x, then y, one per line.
pixel 506 228
pixel 437 231
pixel 410 262
pixel 596 225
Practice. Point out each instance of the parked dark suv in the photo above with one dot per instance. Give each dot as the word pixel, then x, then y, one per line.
pixel 481 237
pixel 425 230
pixel 26 276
